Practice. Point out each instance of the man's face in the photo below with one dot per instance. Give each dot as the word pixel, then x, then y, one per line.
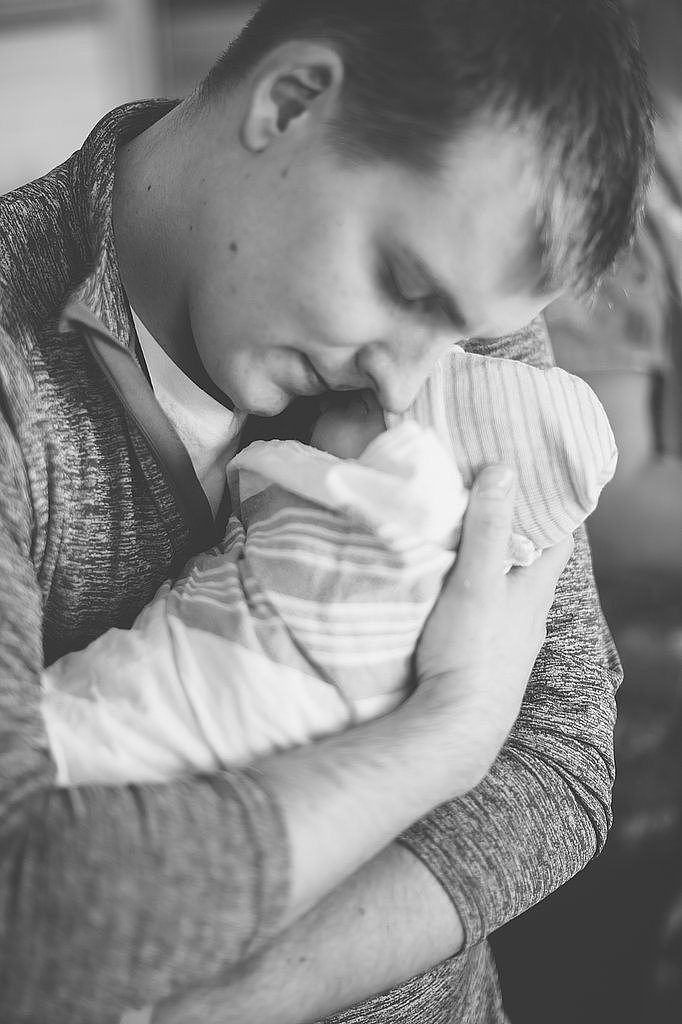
pixel 331 275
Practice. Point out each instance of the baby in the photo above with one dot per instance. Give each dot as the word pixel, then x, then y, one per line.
pixel 304 620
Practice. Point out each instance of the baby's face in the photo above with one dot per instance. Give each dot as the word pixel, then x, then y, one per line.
pixel 349 420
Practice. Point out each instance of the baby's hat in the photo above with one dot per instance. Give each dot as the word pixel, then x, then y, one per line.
pixel 546 423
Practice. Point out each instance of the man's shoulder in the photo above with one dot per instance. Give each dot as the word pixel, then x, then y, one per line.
pixel 530 345
pixel 41 248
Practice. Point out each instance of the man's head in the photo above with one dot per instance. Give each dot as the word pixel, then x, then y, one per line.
pixel 417 75
pixel 361 183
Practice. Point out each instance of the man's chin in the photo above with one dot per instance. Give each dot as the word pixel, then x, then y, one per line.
pixel 276 401
pixel 271 407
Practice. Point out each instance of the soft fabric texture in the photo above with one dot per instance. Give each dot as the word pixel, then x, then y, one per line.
pixel 208 430
pixel 304 620
pixel 547 424
pixel 116 897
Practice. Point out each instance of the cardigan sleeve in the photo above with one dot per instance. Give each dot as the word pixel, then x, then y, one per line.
pixel 109 896
pixel 544 809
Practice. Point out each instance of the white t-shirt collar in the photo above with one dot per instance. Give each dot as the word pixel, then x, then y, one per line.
pixel 208 430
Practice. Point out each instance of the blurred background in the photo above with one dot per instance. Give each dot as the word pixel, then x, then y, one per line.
pixel 64 63
pixel 606 949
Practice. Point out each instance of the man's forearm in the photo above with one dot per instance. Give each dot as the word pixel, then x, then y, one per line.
pixel 389 922
pixel 343 800
pixel 117 869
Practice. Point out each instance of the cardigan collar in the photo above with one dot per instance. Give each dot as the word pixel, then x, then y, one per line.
pixel 101 291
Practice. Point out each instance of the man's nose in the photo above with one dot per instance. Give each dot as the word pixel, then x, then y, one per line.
pixel 397 374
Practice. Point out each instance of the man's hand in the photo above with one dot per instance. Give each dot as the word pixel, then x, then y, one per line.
pixel 479 645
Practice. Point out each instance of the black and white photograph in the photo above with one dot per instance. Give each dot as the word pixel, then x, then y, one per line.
pixel 340 511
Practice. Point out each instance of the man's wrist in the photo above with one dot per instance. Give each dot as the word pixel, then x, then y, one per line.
pixel 466 732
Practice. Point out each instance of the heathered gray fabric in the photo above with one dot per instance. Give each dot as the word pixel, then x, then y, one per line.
pixel 117 896
pixel 106 895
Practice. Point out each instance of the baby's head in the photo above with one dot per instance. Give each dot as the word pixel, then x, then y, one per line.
pixel 347 422
pixel 340 422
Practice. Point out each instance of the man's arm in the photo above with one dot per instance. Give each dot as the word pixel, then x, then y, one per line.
pixel 391 921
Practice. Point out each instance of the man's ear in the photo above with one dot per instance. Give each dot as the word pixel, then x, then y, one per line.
pixel 296 82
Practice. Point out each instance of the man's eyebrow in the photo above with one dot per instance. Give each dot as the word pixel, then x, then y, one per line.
pixel 442 292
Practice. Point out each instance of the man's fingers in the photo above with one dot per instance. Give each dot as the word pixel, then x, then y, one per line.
pixel 487 528
pixel 549 566
pixel 555 559
pixel 539 580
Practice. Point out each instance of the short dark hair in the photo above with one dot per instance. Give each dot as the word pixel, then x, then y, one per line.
pixel 417 72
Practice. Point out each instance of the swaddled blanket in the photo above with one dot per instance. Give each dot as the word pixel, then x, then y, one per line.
pixel 307 589
pixel 305 618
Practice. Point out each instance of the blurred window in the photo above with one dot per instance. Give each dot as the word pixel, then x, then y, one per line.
pixel 65 63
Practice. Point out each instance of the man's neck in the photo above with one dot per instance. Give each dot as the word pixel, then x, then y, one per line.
pixel 149 224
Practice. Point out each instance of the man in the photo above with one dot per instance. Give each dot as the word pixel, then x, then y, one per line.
pixel 354 188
